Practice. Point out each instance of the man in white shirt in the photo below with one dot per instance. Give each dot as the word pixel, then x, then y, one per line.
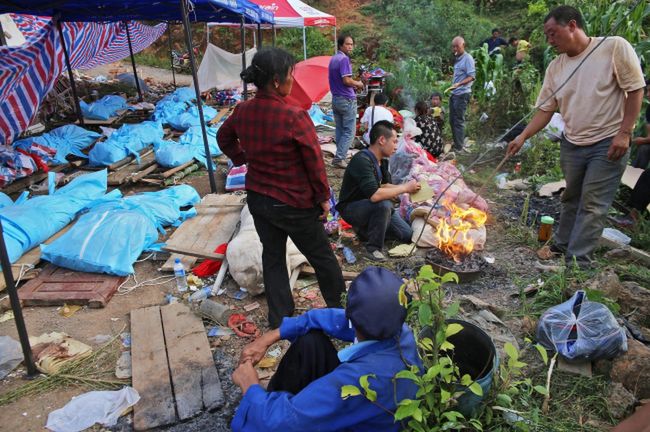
pixel 374 114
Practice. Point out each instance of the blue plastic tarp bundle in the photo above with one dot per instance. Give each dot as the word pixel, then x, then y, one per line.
pixel 184 94
pixel 173 104
pixel 191 118
pixel 127 140
pixel 24 224
pixel 113 234
pixel 66 140
pixel 104 108
pixel 318 116
pixel 189 146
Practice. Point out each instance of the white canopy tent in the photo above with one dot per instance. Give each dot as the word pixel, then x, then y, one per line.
pixel 294 14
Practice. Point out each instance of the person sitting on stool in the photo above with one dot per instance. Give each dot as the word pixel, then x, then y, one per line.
pixel 365 200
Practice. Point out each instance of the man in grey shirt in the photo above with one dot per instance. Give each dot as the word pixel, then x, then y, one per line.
pixel 464 75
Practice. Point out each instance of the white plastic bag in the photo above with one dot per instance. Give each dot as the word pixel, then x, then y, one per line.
pixel 11 354
pixel 83 411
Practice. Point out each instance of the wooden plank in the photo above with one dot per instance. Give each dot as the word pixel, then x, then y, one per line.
pixel 124 173
pixel 171 172
pixel 30 258
pixel 57 286
pixel 219 116
pixel 195 253
pixel 129 159
pixel 200 235
pixel 194 375
pixel 143 173
pixel 309 270
pixel 150 370
pixel 25 182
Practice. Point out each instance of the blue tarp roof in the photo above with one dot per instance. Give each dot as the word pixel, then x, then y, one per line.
pixel 118 10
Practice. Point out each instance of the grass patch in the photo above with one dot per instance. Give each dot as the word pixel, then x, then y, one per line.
pixel 150 59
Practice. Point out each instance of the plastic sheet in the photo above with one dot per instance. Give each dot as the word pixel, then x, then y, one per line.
pixel 24 225
pixel 127 140
pixel 111 237
pixel 66 140
pixel 103 407
pixel 170 154
pixel 191 117
pixel 319 117
pixel 11 354
pixel 104 108
pixel 581 330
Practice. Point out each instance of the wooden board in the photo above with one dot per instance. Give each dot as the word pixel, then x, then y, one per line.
pixel 56 286
pixel 30 258
pixel 219 116
pixel 126 172
pixel 25 182
pixel 150 370
pixel 194 376
pixel 216 220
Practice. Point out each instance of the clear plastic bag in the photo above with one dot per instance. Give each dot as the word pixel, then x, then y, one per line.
pixel 11 354
pixel 581 330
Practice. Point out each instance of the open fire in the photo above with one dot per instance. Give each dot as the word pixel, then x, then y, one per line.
pixel 458 230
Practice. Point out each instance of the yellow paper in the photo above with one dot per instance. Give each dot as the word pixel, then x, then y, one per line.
pixel 267 362
pixel 402 250
pixel 425 193
pixel 67 311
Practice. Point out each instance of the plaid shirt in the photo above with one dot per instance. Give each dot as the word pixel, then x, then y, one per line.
pixel 279 143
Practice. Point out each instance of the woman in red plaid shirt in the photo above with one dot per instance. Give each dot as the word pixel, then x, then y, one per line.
pixel 288 192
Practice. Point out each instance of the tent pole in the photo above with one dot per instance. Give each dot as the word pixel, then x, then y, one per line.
pixel 3 41
pixel 199 103
pixel 259 34
pixel 73 87
pixel 254 39
pixel 336 42
pixel 304 42
pixel 243 53
pixel 135 72
pixel 171 56
pixel 274 35
pixel 15 307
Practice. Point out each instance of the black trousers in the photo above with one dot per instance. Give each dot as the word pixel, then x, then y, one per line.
pixel 308 358
pixel 641 193
pixel 274 222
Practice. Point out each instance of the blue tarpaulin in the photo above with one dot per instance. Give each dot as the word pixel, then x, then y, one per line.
pixel 104 108
pixel 190 118
pixel 113 234
pixel 126 141
pixel 66 140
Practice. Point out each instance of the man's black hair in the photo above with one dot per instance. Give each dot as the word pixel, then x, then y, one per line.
pixel 268 63
pixel 511 40
pixel 563 14
pixel 341 39
pixel 381 128
pixel 436 93
pixel 381 99
pixel 495 30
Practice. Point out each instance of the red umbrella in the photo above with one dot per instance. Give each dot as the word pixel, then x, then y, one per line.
pixel 310 82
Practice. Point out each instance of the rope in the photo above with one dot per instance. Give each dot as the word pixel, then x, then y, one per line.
pixel 533 110
pixel 122 289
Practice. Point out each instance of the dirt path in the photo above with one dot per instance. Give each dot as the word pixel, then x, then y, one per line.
pixel 144 72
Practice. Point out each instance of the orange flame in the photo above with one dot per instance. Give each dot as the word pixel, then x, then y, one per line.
pixel 453 231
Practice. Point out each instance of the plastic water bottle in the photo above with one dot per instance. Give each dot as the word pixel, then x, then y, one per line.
pixel 200 295
pixel 349 255
pixel 179 274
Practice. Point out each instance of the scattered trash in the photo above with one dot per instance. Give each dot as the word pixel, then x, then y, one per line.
pixel 616 236
pixel 214 311
pixel 501 180
pixel 242 326
pixel 252 306
pixel 238 295
pixel 68 310
pixel 9 315
pixel 489 259
pixel 126 339
pixel 194 280
pixel 200 295
pixel 402 250
pixel 54 350
pixel 100 339
pixel 579 329
pixel 123 366
pixel 11 354
pixel 349 255
pixel 103 407
pixel 170 299
pixel 267 363
pixel 220 331
pixel 179 275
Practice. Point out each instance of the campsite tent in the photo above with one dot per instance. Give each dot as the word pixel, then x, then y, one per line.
pixel 295 13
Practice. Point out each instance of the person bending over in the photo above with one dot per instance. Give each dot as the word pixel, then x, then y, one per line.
pixel 305 392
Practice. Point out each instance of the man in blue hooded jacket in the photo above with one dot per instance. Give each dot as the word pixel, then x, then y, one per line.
pixel 305 392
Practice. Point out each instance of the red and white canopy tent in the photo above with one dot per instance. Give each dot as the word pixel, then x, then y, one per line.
pixel 296 14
